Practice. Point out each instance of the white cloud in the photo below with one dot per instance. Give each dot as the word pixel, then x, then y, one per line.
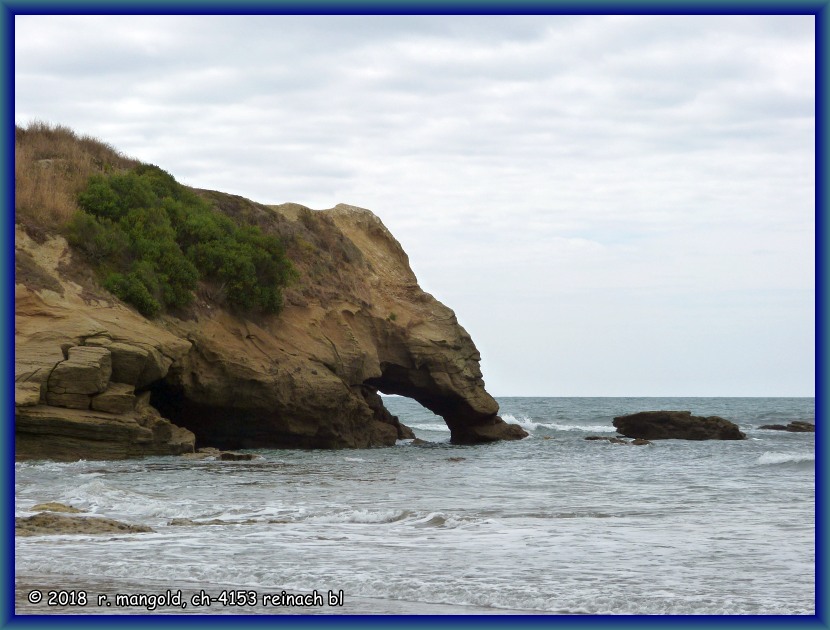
pixel 573 186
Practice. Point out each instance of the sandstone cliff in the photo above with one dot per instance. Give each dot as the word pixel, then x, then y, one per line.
pixel 95 379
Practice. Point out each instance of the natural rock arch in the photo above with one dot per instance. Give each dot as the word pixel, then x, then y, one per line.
pixel 467 424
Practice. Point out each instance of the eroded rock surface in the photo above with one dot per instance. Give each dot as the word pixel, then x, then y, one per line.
pixel 679 425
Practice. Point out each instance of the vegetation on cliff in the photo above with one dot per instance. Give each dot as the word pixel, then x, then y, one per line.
pixel 150 239
pixel 153 239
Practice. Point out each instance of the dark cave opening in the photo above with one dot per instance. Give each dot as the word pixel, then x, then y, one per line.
pixel 225 429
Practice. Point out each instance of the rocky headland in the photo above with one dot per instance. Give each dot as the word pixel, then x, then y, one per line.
pixel 95 379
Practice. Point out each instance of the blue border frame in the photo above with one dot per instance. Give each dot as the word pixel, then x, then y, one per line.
pixel 822 172
pixel 10 8
pixel 7 317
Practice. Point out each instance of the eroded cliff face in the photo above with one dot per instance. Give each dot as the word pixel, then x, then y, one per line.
pixel 96 379
pixel 81 363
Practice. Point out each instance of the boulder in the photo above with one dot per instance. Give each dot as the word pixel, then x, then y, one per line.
pixel 679 425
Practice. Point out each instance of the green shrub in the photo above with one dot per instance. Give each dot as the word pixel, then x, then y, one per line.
pixel 132 289
pixel 154 240
pixel 112 196
pixel 100 239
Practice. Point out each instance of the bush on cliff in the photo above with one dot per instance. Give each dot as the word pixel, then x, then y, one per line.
pixel 153 239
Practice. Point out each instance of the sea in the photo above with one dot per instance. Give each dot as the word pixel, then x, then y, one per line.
pixel 550 525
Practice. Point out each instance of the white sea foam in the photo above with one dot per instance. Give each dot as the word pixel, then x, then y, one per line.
pixel 785 458
pixel 530 425
pixel 360 516
pixel 432 426
pixel 593 428
pixel 525 422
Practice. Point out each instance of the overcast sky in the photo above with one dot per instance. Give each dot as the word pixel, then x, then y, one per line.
pixel 612 205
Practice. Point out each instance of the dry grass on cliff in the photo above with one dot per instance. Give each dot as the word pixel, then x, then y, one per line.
pixel 51 165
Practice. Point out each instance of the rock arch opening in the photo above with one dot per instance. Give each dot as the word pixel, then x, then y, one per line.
pixel 470 421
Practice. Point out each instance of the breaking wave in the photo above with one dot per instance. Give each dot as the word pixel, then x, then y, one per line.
pixel 772 459
pixel 529 424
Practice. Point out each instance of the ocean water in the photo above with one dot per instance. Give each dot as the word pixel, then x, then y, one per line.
pixel 553 524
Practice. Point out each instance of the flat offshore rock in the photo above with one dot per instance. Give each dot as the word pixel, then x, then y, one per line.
pixel 677 425
pixel 797 426
pixel 47 523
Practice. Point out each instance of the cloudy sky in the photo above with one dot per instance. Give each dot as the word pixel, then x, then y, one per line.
pixel 612 205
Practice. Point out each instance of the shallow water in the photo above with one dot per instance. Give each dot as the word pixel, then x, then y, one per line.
pixel 551 524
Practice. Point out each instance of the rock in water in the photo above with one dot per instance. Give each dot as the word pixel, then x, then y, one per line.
pixel 797 426
pixel 48 523
pixel 678 425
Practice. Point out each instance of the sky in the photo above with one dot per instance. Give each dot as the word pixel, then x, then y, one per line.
pixel 612 205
